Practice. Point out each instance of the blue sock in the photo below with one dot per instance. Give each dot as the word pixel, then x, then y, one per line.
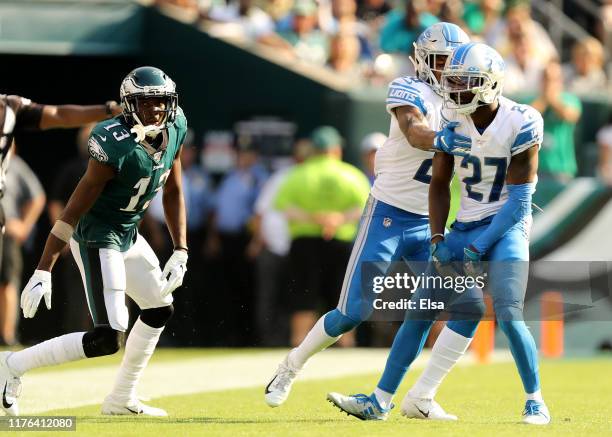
pixel 467 328
pixel 336 323
pixel 523 348
pixel 407 345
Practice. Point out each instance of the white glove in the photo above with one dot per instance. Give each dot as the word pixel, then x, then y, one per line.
pixel 38 286
pixel 174 272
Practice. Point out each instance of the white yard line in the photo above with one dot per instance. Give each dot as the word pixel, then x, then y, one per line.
pixel 74 388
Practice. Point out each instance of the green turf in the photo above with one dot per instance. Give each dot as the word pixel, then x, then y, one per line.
pixel 488 400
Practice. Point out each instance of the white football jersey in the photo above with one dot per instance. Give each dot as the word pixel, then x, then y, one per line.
pixel 482 174
pixel 403 172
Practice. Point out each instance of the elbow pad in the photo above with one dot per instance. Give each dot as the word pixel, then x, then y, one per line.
pixel 516 208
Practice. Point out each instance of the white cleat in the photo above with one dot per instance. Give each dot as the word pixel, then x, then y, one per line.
pixel 536 413
pixel 110 407
pixel 425 409
pixel 361 406
pixel 279 387
pixel 10 386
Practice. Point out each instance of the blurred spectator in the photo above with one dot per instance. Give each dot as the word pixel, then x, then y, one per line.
pixel 451 11
pixel 369 145
pixel 250 21
pixel 370 11
pixel 480 16
pixel 67 284
pixel 322 199
pixel 518 24
pixel 344 55
pixel 23 203
pixel 308 43
pixel 523 68
pixel 276 9
pixel 402 28
pixel 229 238
pixel 604 141
pixel 561 111
pixel 585 73
pixel 270 247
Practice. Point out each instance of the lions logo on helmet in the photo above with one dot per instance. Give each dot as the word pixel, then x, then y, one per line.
pixel 146 83
pixel 437 40
pixel 473 77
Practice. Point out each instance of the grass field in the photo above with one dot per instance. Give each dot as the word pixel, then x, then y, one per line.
pixel 487 398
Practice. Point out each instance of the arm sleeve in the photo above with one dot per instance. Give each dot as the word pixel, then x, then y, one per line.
pixel 27 113
pixel 516 208
pixel 402 92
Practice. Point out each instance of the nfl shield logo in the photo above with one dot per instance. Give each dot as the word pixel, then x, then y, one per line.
pixel 387 222
pixel 157 156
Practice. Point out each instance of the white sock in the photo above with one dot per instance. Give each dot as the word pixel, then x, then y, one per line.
pixel 316 341
pixel 384 398
pixel 139 347
pixel 52 352
pixel 447 350
pixel 535 396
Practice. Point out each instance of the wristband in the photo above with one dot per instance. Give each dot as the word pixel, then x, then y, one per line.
pixel 62 230
pixel 436 235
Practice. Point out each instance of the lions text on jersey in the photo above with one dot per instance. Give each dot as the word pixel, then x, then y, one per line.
pixel 403 172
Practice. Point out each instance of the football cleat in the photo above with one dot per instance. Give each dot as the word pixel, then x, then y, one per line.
pixel 426 409
pixel 536 413
pixel 279 387
pixel 361 406
pixel 111 407
pixel 10 386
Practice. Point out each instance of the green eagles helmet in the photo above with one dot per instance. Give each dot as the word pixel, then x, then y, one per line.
pixel 145 83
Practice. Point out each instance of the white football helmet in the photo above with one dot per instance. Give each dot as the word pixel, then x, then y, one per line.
pixel 473 77
pixel 437 40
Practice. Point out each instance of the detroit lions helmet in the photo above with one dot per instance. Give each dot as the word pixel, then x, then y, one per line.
pixel 149 100
pixel 437 41
pixel 473 77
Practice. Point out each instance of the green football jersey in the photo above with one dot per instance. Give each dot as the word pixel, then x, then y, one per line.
pixel 141 171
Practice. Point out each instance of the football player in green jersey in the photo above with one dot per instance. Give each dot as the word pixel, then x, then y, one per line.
pixel 132 157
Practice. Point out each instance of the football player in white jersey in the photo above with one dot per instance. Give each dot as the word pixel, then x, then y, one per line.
pixel 498 178
pixel 394 224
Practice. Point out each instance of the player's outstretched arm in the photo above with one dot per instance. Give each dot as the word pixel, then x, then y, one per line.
pixel 439 194
pixel 414 126
pixel 67 116
pixel 85 194
pixel 176 220
pixel 520 182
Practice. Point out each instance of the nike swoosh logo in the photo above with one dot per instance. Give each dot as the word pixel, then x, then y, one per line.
pixel 158 166
pixel 39 283
pixel 102 138
pixel 5 404
pixel 268 386
pixel 134 411
pixel 423 412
